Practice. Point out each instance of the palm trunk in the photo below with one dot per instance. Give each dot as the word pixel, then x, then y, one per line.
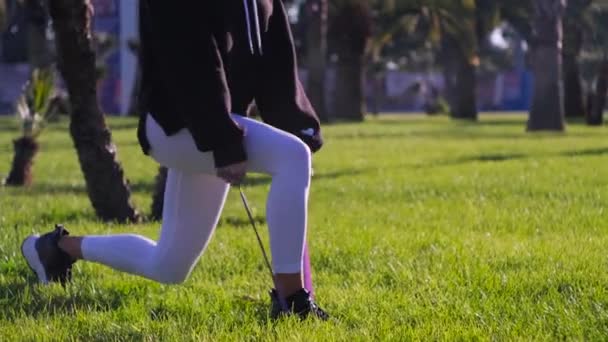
pixel 464 98
pixel 547 111
pixel 574 97
pixel 107 188
pixel 316 12
pixel 574 101
pixel 449 84
pixel 349 103
pixel 598 100
pixel 134 109
pixel 134 98
pixel 158 198
pixel 39 53
pixel 21 169
pixel 460 80
pixel 351 30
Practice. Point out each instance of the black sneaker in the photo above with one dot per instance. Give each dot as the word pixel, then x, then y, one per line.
pixel 298 303
pixel 46 259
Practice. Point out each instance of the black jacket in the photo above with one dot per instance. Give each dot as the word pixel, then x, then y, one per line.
pixel 271 77
pixel 183 84
pixel 188 47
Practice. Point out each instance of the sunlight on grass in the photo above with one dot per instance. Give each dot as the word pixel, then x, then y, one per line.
pixel 420 228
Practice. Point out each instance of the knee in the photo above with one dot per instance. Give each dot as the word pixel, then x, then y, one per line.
pixel 171 277
pixel 168 273
pixel 300 157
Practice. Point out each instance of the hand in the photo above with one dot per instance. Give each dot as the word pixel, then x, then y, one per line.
pixel 233 173
pixel 312 138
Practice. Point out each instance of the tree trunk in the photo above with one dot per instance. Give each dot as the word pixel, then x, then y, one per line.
pixel 574 100
pixel 465 106
pixel 25 149
pixel 460 79
pixel 350 32
pixel 159 194
pixel 574 97
pixel 107 188
pixel 464 98
pixel 349 102
pixel 39 52
pixel 134 97
pixel 547 111
pixel 449 84
pixel 316 13
pixel 134 109
pixel 598 100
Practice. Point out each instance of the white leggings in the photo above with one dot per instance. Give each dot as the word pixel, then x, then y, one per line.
pixel 194 197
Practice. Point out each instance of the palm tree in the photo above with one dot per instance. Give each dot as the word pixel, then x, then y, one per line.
pixel 458 54
pixel 540 23
pixel 315 17
pixel 575 27
pixel 597 98
pixel 547 111
pixel 35 108
pixel 39 51
pixel 133 110
pixel 349 32
pixel 107 188
pixel 454 30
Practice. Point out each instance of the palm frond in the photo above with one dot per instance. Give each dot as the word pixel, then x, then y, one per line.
pixel 33 107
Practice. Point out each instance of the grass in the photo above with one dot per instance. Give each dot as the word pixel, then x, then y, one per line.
pixel 420 229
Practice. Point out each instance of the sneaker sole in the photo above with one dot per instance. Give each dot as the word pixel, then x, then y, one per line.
pixel 28 249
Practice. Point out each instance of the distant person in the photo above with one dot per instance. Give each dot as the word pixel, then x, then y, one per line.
pixel 188 127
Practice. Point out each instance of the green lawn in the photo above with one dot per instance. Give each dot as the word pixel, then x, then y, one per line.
pixel 420 229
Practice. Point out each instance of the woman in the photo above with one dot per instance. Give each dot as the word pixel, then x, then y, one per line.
pixel 187 126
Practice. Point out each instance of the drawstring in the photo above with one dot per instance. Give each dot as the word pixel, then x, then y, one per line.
pixel 249 29
pixel 257 25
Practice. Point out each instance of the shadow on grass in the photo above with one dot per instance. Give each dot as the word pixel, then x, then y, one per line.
pixel 68 145
pixel 45 188
pixel 504 157
pixel 168 312
pixel 514 121
pixel 459 130
pixel 22 297
pixel 481 158
pixel 234 221
pixel 494 157
pixel 241 221
pixel 430 134
pixel 10 128
pixel 27 298
pixel 587 152
pixel 503 123
pixel 265 180
pixel 51 218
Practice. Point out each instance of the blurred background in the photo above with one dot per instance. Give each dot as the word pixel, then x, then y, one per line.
pixel 452 56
